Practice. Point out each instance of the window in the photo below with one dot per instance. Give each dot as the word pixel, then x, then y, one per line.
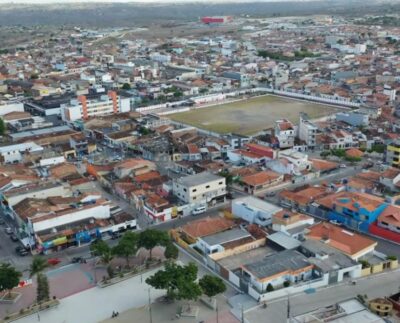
pixel 184 190
pixel 220 183
pixel 384 223
pixel 194 197
pixel 194 190
pixel 208 186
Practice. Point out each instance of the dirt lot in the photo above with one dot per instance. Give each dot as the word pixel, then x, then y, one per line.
pixel 250 116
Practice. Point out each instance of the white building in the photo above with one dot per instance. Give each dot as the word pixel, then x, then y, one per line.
pixel 84 107
pixel 200 188
pixel 254 210
pixel 285 132
pixel 307 130
pixel 14 153
pixel 10 106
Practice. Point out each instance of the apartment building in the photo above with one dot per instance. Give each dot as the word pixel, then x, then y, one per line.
pixel 392 154
pixel 285 132
pixel 200 188
pixel 307 130
pixel 85 107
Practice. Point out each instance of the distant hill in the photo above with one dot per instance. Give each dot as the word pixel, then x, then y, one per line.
pixel 129 14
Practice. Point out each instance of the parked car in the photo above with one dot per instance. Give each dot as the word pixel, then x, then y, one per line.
pixel 342 166
pixel 199 210
pixel 53 261
pixel 76 260
pixel 8 230
pixel 13 237
pixel 21 250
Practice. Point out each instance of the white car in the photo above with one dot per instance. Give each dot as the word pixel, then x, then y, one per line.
pixel 342 166
pixel 8 230
pixel 199 210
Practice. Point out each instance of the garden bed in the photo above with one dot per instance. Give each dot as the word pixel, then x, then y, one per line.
pixel 33 309
pixel 10 298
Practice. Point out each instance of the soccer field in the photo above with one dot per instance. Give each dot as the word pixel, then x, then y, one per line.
pixel 247 117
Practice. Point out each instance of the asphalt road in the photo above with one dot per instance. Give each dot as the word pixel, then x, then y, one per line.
pixel 378 285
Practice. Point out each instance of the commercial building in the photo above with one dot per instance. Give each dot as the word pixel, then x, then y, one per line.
pixel 85 107
pixel 200 188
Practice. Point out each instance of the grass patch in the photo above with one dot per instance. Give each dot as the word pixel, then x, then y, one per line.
pixel 248 117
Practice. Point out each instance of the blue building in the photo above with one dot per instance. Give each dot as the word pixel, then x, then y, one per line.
pixel 352 209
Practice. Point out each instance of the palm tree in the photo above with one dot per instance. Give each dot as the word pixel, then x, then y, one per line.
pixel 38 265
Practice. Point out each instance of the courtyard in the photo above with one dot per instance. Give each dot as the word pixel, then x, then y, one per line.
pixel 250 116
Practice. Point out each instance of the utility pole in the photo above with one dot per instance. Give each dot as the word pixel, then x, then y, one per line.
pixel 216 309
pixel 242 313
pixel 150 314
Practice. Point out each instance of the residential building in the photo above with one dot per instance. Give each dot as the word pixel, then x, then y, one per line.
pixel 254 210
pixel 85 107
pixel 307 131
pixel 285 132
pixel 392 154
pixel 15 153
pixel 259 182
pixel 200 188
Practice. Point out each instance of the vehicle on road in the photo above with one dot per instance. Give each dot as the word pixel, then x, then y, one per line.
pixel 342 166
pixel 8 230
pixel 199 210
pixel 53 261
pixel 21 250
pixel 270 194
pixel 13 237
pixel 78 260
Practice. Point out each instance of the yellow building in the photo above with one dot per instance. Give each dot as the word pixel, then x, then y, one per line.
pixel 381 306
pixel 393 154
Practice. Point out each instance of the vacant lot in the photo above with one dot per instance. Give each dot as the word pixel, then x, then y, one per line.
pixel 248 117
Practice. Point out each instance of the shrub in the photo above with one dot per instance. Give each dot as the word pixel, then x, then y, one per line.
pixel 365 264
pixel 270 288
pixel 286 283
pixel 391 257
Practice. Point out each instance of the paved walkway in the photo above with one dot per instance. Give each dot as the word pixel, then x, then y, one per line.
pixel 97 304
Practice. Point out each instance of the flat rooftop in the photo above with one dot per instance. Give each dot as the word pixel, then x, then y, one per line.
pixel 277 263
pixel 39 132
pixel 198 179
pixel 226 236
pixel 256 203
pixel 235 261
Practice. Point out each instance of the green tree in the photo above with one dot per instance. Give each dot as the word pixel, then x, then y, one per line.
pixel 38 265
pixel 127 246
pixel 2 127
pixel 212 285
pixel 179 281
pixel 171 251
pixel 101 249
pixel 126 86
pixel 9 278
pixel 34 76
pixel 151 238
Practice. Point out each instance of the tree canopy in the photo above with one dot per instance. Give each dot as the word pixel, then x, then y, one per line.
pixel 101 249
pixel 9 277
pixel 127 246
pixel 151 238
pixel 38 265
pixel 179 281
pixel 212 285
pixel 2 127
pixel 171 251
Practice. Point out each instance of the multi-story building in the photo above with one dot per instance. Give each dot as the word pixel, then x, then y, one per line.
pixel 200 188
pixel 285 132
pixel 85 107
pixel 392 154
pixel 307 130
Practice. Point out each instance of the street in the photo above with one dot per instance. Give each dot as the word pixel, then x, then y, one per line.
pixel 378 285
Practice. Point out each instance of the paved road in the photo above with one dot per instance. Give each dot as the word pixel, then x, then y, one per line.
pixel 373 286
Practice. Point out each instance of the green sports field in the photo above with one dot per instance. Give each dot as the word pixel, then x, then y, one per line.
pixel 248 117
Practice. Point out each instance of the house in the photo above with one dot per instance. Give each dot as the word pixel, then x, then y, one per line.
pixel 302 197
pixel 291 223
pixel 351 244
pixel 205 227
pixel 323 166
pixel 307 131
pixel 254 210
pixel 390 179
pixel 276 269
pixel 353 209
pixel 392 154
pixel 200 188
pixel 261 181
pixel 15 153
pixel 388 224
pixel 218 242
pixel 133 167
pixel 285 132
